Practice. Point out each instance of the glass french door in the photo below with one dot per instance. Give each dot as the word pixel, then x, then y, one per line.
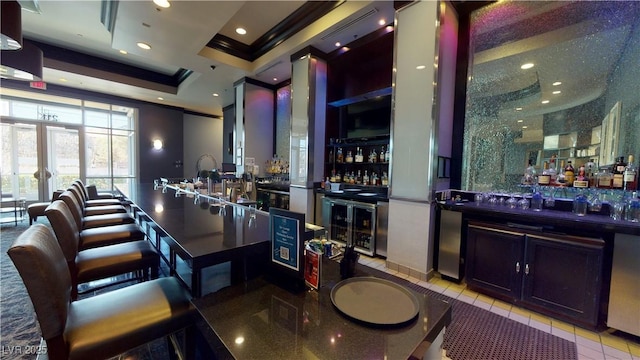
pixel 39 158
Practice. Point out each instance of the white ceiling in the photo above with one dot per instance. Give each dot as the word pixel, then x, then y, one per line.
pixel 178 37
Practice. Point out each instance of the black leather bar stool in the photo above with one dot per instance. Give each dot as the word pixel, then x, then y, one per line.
pixel 101 326
pixel 87 200
pixel 92 221
pixel 65 227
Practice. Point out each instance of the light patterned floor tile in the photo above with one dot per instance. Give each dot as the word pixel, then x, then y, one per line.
pixel 586 352
pixel 502 305
pixel 596 345
pixel 521 311
pixel 482 304
pixel 437 288
pixel 587 334
pixel 470 293
pixel 563 326
pixel 485 299
pixel 617 353
pixel 563 334
pixel 540 326
pixel 451 293
pixel 614 342
pixel 423 284
pixel 457 287
pixel 467 299
pixel 540 318
pixel 635 349
pixel 500 311
pixel 519 318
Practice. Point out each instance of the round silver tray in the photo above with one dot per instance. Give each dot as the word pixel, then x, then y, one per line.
pixel 375 301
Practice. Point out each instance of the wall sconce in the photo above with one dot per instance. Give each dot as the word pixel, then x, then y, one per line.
pixel 157 144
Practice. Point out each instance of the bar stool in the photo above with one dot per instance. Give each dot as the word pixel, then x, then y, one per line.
pixel 100 209
pixel 101 326
pixel 86 198
pixel 92 221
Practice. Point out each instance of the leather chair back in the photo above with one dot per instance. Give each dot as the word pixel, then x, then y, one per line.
pixel 82 188
pixel 42 266
pixel 74 207
pixel 65 229
pixel 78 195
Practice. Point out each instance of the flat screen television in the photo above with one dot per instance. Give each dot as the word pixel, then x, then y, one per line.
pixel 369 118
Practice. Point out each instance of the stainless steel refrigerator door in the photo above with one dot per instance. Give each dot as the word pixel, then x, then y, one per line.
pixel 450 243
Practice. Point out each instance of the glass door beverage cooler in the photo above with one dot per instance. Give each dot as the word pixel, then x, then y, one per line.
pixel 351 223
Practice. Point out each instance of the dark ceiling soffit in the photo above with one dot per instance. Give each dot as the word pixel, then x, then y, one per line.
pixel 309 50
pixel 80 59
pixel 189 112
pixel 251 81
pixel 360 42
pixel 304 16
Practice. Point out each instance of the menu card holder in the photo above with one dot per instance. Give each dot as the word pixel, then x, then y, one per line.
pixel 286 232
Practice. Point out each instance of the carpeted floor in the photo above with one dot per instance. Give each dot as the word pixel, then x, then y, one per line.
pixel 473 334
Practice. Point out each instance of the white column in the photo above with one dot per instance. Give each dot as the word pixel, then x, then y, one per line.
pixel 414 137
pixel 308 103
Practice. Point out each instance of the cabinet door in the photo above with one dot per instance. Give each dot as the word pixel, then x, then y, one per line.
pixel 340 222
pixel 494 260
pixel 363 229
pixel 564 276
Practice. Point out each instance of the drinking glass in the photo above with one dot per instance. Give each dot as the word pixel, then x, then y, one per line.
pixel 478 198
pixel 580 205
pixel 595 205
pixel 512 203
pixel 551 200
pixel 537 201
pixel 616 209
pixel 523 203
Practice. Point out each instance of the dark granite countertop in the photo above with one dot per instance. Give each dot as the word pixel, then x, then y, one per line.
pixel 260 320
pixel 372 194
pixel 595 223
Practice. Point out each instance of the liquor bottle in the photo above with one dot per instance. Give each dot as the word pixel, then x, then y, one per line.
pixel 552 171
pixel 618 173
pixel 569 173
pixel 373 156
pixel 604 179
pixel 560 178
pixel 385 179
pixel 529 177
pixel 544 179
pixel 374 179
pixel 590 168
pixel 358 178
pixel 340 156
pixel 387 155
pixel 365 178
pixel 381 155
pixel 349 158
pixel 359 157
pixel 630 175
pixel 581 179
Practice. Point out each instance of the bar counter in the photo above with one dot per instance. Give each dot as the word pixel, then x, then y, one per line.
pixel 260 320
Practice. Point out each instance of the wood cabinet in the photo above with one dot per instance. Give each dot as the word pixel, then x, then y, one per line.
pixel 557 274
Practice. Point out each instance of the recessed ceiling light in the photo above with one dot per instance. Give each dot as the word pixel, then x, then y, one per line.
pixel 518 109
pixel 145 46
pixel 160 98
pixel 524 127
pixel 63 79
pixel 381 22
pixel 556 92
pixel 275 79
pixel 545 101
pixel 241 31
pixel 557 83
pixel 215 94
pixel 526 66
pixel 123 52
pixel 520 120
pixel 389 28
pixel 162 3
pixel 338 44
pixel 420 67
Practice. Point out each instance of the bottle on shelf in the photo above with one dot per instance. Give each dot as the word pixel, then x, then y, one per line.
pixel 552 170
pixel 349 157
pixel 339 156
pixel 529 177
pixel 591 168
pixel 358 178
pixel 618 173
pixel 560 178
pixel 365 178
pixel 569 173
pixel 544 179
pixel 374 179
pixel 387 155
pixel 338 177
pixel 327 184
pixel 359 156
pixel 373 156
pixel 630 175
pixel 382 154
pixel 352 178
pixel 385 179
pixel 603 179
pixel 581 179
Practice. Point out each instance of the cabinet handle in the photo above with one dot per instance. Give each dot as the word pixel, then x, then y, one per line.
pixel 517 267
pixel 526 269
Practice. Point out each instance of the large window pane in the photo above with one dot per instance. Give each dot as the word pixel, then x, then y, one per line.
pixel 122 142
pixel 98 152
pixel 580 84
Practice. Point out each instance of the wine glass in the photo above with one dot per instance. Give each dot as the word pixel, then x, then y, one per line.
pixel 551 200
pixel 512 203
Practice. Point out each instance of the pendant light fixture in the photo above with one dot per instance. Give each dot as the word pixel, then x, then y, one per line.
pixel 11 25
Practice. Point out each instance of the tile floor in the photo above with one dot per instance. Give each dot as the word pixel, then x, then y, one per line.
pixel 590 345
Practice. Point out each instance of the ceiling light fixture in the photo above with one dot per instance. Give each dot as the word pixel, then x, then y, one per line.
pixel 24 64
pixel 527 66
pixel 162 3
pixel 520 120
pixel 338 44
pixel 556 92
pixel 63 79
pixel 545 101
pixel 160 98
pixel 275 79
pixel 11 25
pixel 241 31
pixel 145 46
pixel 525 127
pixel 381 22
pixel 518 109
pixel 216 94
pixel 421 67
pixel 557 83
pixel 123 52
